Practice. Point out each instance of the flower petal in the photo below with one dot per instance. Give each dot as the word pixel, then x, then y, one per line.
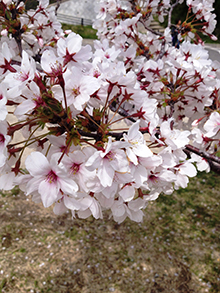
pixel 37 164
pixel 48 192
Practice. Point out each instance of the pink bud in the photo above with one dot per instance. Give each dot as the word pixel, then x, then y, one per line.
pixel 214 38
pixel 40 42
pixel 4 32
pixel 195 123
pixel 67 32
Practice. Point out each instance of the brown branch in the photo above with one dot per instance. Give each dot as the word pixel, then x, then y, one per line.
pixel 214 167
pixel 170 12
pixel 203 154
pixel 162 50
pixel 117 135
pixel 57 6
pixel 151 30
pixel 214 161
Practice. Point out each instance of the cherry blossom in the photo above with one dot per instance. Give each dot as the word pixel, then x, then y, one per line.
pixel 110 127
pixel 48 178
pixel 107 162
pixel 78 87
pixel 136 144
pixel 4 140
pixel 212 125
pixel 16 81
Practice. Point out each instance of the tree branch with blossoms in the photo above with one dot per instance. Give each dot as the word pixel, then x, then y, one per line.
pixel 109 128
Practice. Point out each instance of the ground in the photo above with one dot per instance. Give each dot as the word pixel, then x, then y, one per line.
pixel 175 249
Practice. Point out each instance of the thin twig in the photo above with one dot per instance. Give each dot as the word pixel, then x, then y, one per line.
pixel 203 154
pixel 170 12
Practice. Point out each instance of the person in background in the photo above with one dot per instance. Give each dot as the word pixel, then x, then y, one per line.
pixel 175 31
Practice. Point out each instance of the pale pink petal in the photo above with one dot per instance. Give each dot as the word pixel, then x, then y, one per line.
pixel 127 193
pixel 7 181
pixel 74 43
pixel 142 150
pixel 84 214
pixel 84 54
pixel 95 209
pixel 181 181
pixel 94 161
pixel 24 107
pixel 137 216
pixel 68 186
pixel 188 169
pixel 118 210
pixel 2 159
pixel 33 184
pixel 37 164
pixel 136 204
pixel 59 208
pixel 131 156
pixel 133 132
pixel 49 193
pixel 106 174
pixel 72 204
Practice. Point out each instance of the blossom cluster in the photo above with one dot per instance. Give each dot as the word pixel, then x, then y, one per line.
pixel 110 127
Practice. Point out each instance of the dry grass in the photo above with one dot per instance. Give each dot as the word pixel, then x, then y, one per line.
pixel 175 249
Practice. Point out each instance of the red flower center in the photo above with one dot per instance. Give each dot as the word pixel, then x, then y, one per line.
pixel 2 138
pixel 51 177
pixel 75 168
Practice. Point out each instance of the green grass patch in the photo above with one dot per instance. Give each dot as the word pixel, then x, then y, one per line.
pixel 86 32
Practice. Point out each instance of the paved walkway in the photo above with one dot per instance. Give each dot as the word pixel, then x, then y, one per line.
pixel 213 46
